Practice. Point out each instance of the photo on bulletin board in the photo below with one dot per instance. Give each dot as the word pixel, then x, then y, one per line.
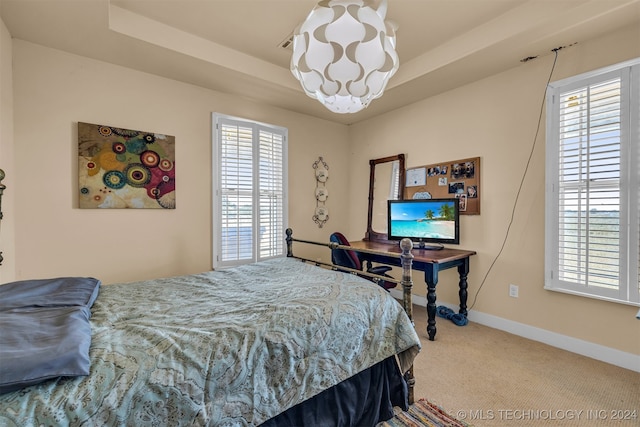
pixel 462 202
pixel 459 179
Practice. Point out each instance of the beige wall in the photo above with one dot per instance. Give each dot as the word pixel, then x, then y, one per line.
pixel 496 119
pixel 54 90
pixel 7 241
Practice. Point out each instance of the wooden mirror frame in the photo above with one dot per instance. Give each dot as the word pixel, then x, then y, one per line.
pixel 371 234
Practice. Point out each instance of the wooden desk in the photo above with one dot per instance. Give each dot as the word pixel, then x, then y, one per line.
pixel 429 261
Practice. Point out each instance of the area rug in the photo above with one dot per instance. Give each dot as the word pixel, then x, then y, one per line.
pixel 423 414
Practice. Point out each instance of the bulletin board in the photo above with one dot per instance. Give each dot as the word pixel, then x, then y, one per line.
pixel 455 179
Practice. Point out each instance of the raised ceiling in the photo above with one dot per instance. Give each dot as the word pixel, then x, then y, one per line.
pixel 235 46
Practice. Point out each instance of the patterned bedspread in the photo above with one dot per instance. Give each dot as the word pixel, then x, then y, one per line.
pixel 232 347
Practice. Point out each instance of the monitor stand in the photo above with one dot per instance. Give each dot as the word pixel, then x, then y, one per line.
pixel 428 247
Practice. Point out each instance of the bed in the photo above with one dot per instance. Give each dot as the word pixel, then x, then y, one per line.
pixel 276 343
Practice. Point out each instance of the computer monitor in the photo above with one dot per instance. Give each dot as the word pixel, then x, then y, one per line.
pixel 425 221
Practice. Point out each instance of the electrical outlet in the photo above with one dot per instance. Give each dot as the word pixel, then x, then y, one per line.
pixel 513 291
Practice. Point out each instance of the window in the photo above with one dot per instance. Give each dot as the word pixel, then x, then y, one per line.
pixel 249 191
pixel 592 225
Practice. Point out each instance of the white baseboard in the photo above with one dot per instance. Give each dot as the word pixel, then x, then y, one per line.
pixel 574 345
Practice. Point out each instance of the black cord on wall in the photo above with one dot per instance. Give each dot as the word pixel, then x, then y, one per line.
pixel 515 203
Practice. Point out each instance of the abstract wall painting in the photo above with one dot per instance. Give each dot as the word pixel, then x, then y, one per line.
pixel 122 168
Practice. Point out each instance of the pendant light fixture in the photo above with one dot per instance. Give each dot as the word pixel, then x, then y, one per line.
pixel 344 53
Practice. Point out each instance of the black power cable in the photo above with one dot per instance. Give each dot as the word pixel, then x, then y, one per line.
pixel 515 203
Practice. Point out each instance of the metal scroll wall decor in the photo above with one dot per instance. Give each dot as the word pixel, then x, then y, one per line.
pixel 2 188
pixel 321 214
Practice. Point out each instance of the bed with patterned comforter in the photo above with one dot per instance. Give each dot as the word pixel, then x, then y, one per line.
pixel 230 347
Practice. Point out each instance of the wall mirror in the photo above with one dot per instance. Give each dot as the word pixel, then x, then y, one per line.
pixel 386 182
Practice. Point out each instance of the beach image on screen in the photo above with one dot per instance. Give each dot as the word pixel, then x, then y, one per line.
pixel 424 220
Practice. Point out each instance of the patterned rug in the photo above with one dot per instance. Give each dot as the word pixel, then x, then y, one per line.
pixel 423 413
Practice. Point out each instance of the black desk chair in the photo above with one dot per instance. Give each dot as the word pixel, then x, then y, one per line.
pixel 350 259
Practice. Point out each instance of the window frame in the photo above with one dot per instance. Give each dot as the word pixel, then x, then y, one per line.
pixel 218 121
pixel 628 291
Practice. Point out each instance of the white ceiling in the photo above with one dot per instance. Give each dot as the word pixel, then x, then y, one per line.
pixel 233 46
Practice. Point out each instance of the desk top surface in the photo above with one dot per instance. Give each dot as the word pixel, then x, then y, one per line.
pixel 420 255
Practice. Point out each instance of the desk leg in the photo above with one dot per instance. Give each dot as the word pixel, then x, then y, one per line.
pixel 463 271
pixel 431 278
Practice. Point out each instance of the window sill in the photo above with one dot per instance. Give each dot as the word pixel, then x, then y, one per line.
pixel 592 296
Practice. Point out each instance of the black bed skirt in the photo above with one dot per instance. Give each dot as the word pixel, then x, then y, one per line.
pixel 363 400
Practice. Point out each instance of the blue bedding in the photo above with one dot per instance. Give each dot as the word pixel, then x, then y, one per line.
pixel 230 347
pixel 44 330
pixel 56 292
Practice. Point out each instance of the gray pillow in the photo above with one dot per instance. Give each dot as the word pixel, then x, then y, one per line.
pixel 37 344
pixel 44 330
pixel 57 292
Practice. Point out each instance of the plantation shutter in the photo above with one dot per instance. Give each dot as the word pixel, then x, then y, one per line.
pixel 394 188
pixel 271 195
pixel 589 186
pixel 591 223
pixel 236 182
pixel 249 192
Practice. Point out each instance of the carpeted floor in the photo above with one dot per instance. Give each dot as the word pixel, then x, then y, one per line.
pixel 488 377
